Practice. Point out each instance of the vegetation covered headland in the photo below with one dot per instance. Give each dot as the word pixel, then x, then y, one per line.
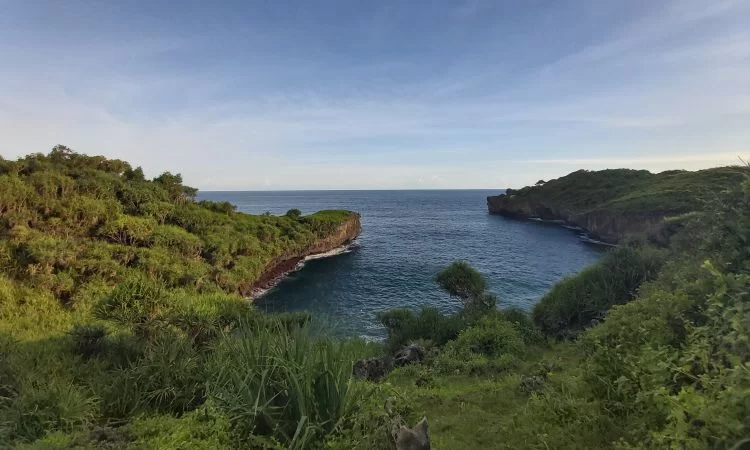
pixel 611 204
pixel 124 324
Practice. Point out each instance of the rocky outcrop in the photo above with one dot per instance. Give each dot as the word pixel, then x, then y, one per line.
pixel 375 369
pixel 603 225
pixel 411 354
pixel 341 237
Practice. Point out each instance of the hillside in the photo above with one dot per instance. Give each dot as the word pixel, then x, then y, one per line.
pixel 123 325
pixel 612 203
pixel 104 274
pixel 646 349
pixel 69 220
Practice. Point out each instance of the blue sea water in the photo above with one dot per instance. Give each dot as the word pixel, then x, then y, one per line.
pixel 407 237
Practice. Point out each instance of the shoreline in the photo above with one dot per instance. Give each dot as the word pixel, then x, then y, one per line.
pixel 582 233
pixel 296 264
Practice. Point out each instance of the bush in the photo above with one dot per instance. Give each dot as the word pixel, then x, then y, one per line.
pixel 287 387
pixel 172 237
pixel 522 322
pixel 40 409
pixel 294 214
pixel 584 299
pixel 128 230
pixel 405 326
pixel 168 376
pixel 461 280
pixel 491 346
pixel 89 339
pixel 491 336
pixel 137 300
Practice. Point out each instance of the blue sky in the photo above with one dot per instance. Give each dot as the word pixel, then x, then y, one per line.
pixel 383 94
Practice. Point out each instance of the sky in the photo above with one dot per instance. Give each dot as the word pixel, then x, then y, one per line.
pixel 266 95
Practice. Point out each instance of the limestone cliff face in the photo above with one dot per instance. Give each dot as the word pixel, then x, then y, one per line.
pixel 343 235
pixel 607 226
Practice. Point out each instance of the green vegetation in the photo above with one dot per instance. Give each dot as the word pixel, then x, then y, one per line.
pixel 624 190
pixel 119 299
pixel 616 204
pixel 659 361
pixel 574 303
pixel 123 325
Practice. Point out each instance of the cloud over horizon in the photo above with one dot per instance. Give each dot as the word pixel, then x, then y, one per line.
pixel 250 95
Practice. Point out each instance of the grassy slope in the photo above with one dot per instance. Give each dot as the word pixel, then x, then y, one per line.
pixel 113 286
pixel 113 323
pixel 668 369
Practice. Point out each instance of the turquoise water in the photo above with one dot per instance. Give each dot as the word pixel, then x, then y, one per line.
pixel 407 237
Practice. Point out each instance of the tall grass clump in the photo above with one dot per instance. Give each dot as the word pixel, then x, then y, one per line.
pixel 584 299
pixel 281 386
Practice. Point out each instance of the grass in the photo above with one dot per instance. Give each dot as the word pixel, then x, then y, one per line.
pixel 287 387
pixel 583 299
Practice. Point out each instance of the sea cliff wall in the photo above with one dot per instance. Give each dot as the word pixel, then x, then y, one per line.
pixel 607 226
pixel 342 236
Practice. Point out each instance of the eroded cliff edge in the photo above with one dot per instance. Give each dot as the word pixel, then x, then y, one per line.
pixel 341 237
pixel 610 204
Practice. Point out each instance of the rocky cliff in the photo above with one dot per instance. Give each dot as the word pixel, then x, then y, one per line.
pixel 603 225
pixel 342 236
pixel 611 204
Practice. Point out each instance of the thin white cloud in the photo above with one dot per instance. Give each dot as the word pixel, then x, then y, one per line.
pixel 268 139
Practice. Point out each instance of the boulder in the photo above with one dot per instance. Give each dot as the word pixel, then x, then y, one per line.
pixel 373 369
pixel 411 354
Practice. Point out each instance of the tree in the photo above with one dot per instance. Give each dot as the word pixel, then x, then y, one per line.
pixel 461 280
pixel 172 183
pixel 134 174
pixel 294 213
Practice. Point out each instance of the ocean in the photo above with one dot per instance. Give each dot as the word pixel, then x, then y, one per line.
pixel 407 237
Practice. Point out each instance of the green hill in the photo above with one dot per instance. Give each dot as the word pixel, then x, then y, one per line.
pixel 105 273
pixel 613 203
pixel 123 325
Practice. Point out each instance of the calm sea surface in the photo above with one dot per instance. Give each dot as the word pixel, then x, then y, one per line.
pixel 407 237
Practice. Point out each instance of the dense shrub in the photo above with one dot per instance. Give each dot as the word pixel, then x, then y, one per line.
pixel 461 280
pixel 491 336
pixel 584 299
pixel 523 323
pixel 429 324
pixel 88 339
pixel 277 385
pixel 137 300
pixel 128 230
pixel 492 345
pixel 168 376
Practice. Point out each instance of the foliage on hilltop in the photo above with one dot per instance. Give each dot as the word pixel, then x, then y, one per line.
pixel 625 190
pixel 68 220
pixel 119 297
